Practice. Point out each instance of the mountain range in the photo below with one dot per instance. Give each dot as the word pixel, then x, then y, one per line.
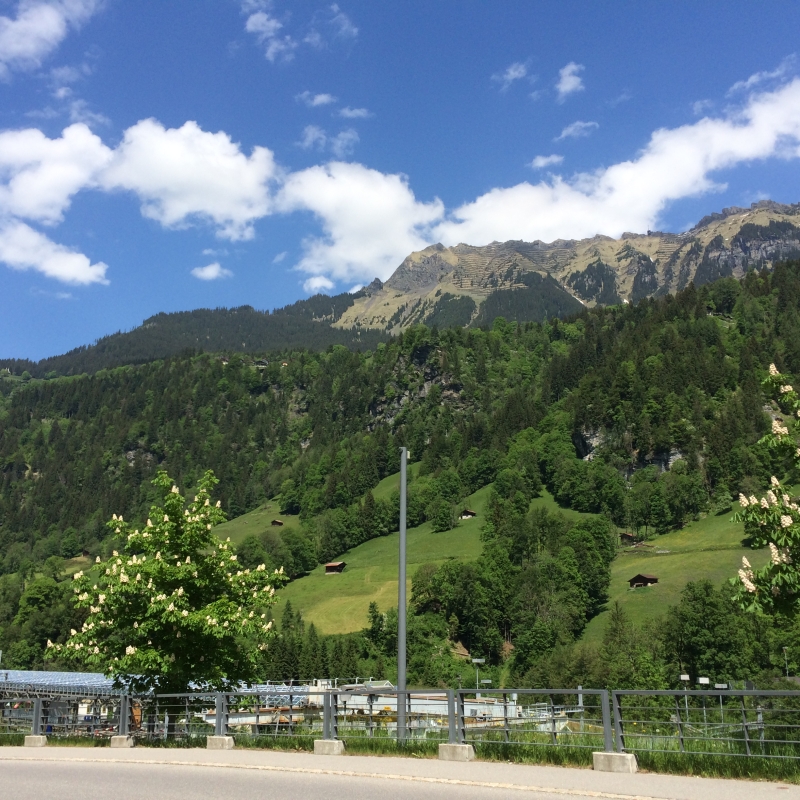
pixel 464 285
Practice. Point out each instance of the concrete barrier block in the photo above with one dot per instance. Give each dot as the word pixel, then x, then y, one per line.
pixel 615 762
pixel 121 741
pixel 456 752
pixel 219 742
pixel 35 741
pixel 328 747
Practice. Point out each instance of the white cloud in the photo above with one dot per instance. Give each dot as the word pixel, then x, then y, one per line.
pixel 317 284
pixel 331 24
pixel 212 272
pixel 569 80
pixel 262 25
pixel 785 68
pixel 313 137
pixel 371 221
pixel 699 107
pixel 540 162
pixel 37 29
pixel 79 111
pixel 341 24
pixel 515 72
pixel 183 173
pixel 355 113
pixel 341 145
pixel 278 258
pixel 23 248
pixel 344 143
pixel 577 130
pixel 266 29
pixel 630 195
pixel 315 100
pixel 39 176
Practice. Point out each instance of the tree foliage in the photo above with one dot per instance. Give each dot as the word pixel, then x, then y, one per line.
pixel 172 609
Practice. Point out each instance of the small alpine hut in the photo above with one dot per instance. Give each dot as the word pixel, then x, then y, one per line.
pixel 468 513
pixel 642 580
pixel 335 567
pixel 277 523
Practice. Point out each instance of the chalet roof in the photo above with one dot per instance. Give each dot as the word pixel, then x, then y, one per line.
pixel 335 564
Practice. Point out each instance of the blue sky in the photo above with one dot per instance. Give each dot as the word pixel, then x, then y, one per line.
pixel 161 156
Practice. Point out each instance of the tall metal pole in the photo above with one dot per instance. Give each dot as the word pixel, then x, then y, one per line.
pixel 401 606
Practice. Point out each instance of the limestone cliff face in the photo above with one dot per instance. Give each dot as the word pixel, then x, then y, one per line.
pixel 596 271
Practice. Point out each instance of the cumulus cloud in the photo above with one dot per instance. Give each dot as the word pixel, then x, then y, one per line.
pixel 317 284
pixel 569 80
pixel 370 220
pixel 540 162
pixel 341 145
pixel 354 113
pixel 344 143
pixel 331 25
pixel 787 67
pixel 212 272
pixel 577 130
pixel 630 195
pixel 37 29
pixel 39 176
pixel 185 173
pixel 313 137
pixel 23 248
pixel 267 31
pixel 315 100
pixel 515 72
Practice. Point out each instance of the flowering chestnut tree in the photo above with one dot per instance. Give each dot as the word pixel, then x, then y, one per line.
pixel 174 608
pixel 773 521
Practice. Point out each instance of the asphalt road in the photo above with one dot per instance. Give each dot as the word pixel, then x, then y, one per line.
pixel 54 773
pixel 42 780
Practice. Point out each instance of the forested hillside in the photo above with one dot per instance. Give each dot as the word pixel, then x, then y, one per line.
pixel 304 324
pixel 645 415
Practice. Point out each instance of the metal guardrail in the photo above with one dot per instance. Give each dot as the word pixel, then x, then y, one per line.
pixel 566 718
pixel 63 717
pixel 744 723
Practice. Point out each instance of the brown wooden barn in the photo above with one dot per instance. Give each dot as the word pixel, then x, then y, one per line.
pixel 335 567
pixel 642 580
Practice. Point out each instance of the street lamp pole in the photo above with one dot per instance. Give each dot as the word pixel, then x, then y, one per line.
pixel 477 662
pixel 401 605
pixel 786 661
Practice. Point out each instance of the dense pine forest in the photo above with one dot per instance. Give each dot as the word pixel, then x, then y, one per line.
pixel 646 415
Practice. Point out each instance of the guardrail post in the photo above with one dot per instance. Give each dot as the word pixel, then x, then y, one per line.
pixel 608 738
pixel 618 723
pixel 462 725
pixel 36 727
pixel 452 736
pixel 219 721
pixel 122 728
pixel 679 722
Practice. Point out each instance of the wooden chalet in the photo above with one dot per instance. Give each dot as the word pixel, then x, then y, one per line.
pixel 335 567
pixel 277 523
pixel 642 580
pixel 468 513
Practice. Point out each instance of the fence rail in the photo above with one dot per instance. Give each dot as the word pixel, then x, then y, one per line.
pixel 747 724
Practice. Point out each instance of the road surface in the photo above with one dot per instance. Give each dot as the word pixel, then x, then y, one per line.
pixel 146 774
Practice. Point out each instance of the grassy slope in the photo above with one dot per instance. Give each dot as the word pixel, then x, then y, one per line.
pixel 709 548
pixel 338 603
